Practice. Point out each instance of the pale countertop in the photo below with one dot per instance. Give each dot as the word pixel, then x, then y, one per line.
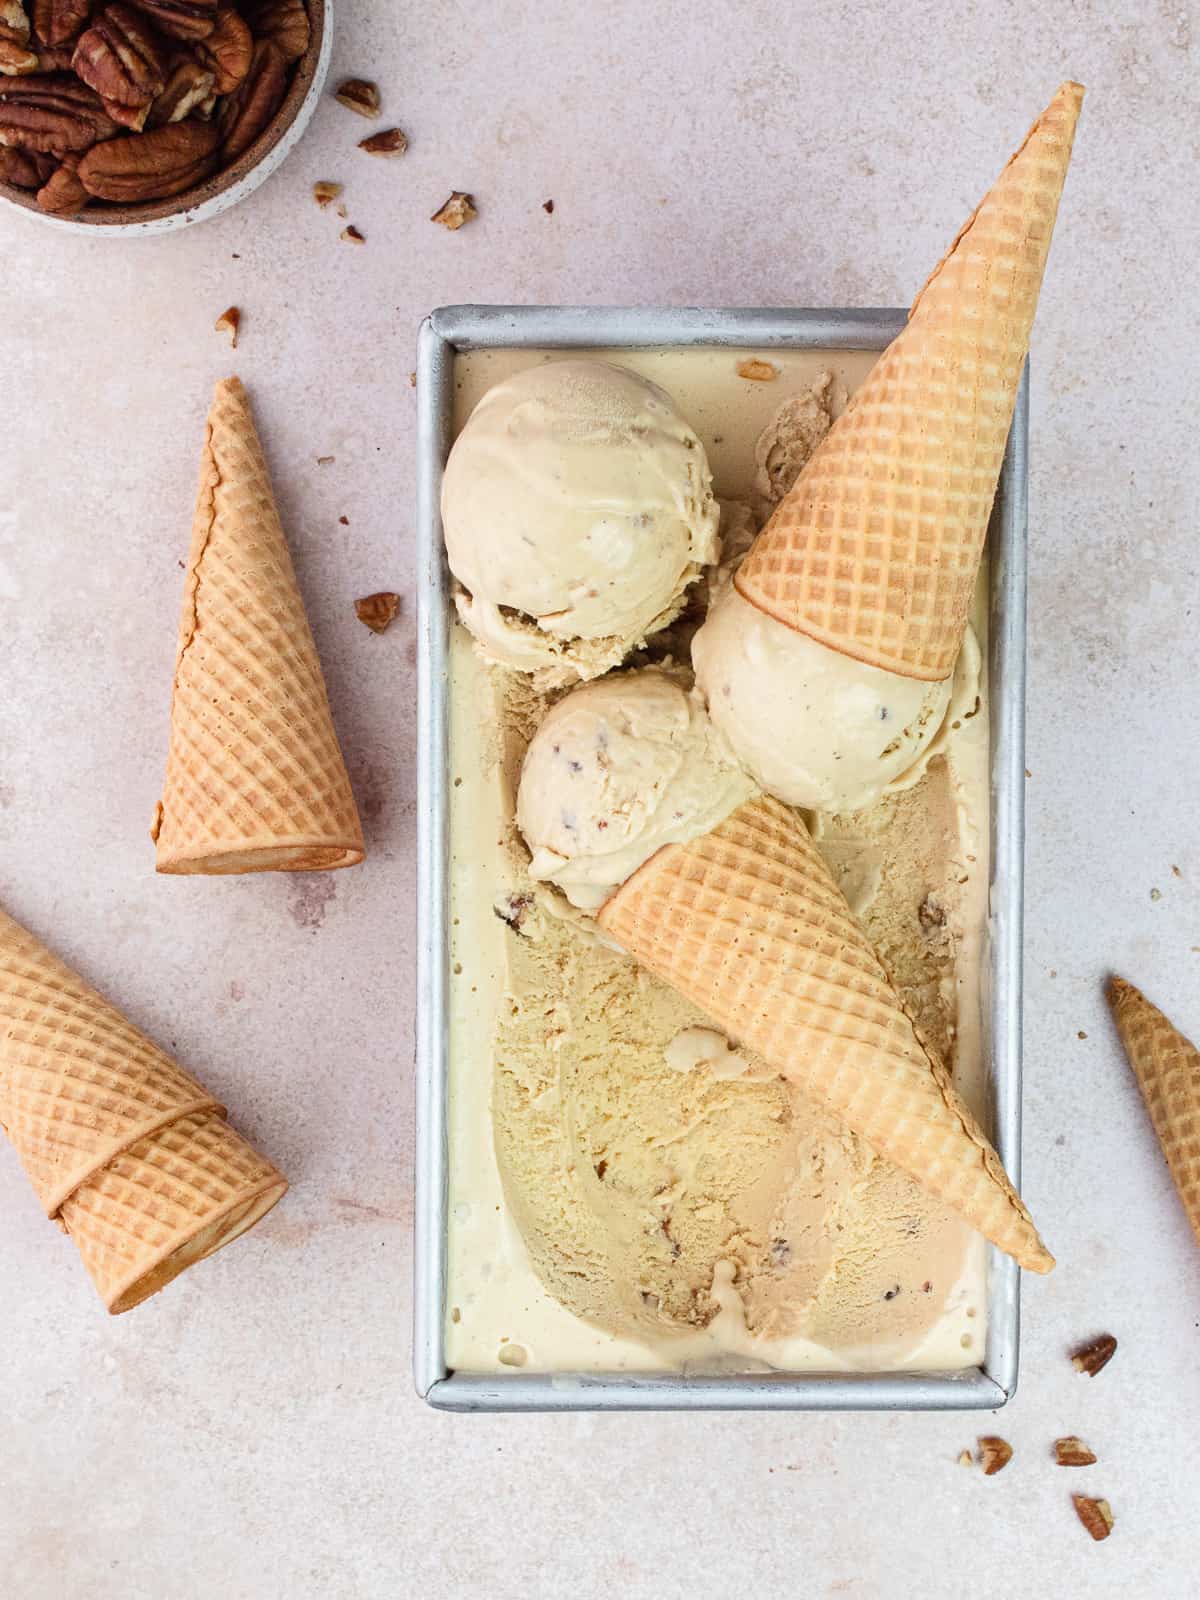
pixel 253 1433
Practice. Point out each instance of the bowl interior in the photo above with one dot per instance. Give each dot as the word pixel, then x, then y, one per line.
pixel 102 214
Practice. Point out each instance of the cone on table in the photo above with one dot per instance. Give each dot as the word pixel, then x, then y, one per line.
pixel 876 548
pixel 255 779
pixel 748 923
pixel 1167 1067
pixel 126 1150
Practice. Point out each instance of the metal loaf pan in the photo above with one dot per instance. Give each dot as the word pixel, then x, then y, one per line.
pixel 443 334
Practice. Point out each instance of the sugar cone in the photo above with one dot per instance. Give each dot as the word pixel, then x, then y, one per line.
pixel 1168 1071
pixel 876 548
pixel 748 923
pixel 255 778
pixel 78 1082
pixel 166 1203
pixel 126 1150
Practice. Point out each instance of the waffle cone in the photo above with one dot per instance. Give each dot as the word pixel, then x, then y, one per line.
pixel 78 1082
pixel 748 924
pixel 255 778
pixel 875 549
pixel 166 1203
pixel 1168 1072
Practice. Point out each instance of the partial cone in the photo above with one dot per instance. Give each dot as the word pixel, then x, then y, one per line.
pixel 875 550
pixel 748 923
pixel 78 1083
pixel 127 1151
pixel 255 778
pixel 165 1204
pixel 1168 1071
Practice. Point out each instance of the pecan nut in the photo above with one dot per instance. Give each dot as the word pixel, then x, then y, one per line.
pixel 58 21
pixel 16 56
pixel 120 58
pixel 247 111
pixel 151 166
pixel 283 22
pixel 190 87
pixel 62 194
pixel 52 113
pixel 228 50
pixel 182 19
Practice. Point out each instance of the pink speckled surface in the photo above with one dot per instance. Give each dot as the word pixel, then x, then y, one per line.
pixel 252 1433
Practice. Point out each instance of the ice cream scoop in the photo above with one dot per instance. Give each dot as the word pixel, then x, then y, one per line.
pixel 577 508
pixel 720 892
pixel 618 769
pixel 815 727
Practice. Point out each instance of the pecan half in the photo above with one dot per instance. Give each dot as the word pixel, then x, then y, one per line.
pixel 58 21
pixel 182 19
pixel 246 112
pixel 1096 1515
pixel 1095 1355
pixel 227 51
pixel 284 22
pixel 120 58
pixel 190 87
pixel 18 169
pixel 52 113
pixel 151 166
pixel 16 57
pixel 62 195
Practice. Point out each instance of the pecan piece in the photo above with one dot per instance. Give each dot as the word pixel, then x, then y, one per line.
pixel 389 143
pixel 52 113
pixel 246 112
pixel 18 169
pixel 457 211
pixel 151 166
pixel 378 611
pixel 994 1454
pixel 1072 1452
pixel 325 193
pixel 283 22
pixel 62 194
pixel 57 22
pixel 190 87
pixel 16 56
pixel 120 59
pixel 227 51
pixel 1096 1515
pixel 1095 1355
pixel 182 19
pixel 356 94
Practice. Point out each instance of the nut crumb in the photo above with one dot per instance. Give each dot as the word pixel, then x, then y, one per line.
pixel 352 235
pixel 1175 872
pixel 342 212
pixel 1028 774
pixel 994 1454
pixel 1156 894
pixel 345 521
pixel 548 207
pixel 757 371
pixel 931 914
pixel 229 322
pixel 357 94
pixel 965 1458
pixel 513 909
pixel 1095 1355
pixel 391 142
pixel 412 380
pixel 325 193
pixel 1096 1515
pixel 1072 1452
pixel 1081 1034
pixel 326 461
pixel 378 611
pixel 459 209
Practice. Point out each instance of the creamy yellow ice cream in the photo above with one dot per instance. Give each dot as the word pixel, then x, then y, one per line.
pixel 815 727
pixel 577 509
pixel 618 769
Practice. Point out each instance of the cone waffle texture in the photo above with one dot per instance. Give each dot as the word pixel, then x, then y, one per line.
pixel 748 924
pixel 78 1083
pixel 255 778
pixel 167 1202
pixel 1168 1070
pixel 876 548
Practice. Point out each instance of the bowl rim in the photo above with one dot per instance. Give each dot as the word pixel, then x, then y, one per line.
pixel 226 187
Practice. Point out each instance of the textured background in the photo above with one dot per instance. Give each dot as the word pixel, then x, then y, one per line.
pixel 253 1433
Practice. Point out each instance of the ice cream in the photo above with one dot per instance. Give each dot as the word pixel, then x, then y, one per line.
pixel 816 728
pixel 577 508
pixel 618 769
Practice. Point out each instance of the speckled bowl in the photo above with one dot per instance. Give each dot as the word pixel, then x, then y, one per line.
pixel 233 183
